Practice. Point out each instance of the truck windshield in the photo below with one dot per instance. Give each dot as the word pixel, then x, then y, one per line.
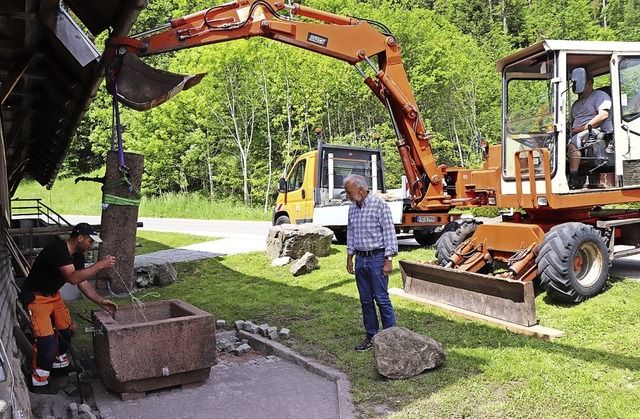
pixel 528 122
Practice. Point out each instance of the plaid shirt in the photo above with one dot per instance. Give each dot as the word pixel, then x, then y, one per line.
pixel 371 227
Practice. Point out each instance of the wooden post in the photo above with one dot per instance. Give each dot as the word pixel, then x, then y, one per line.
pixel 119 224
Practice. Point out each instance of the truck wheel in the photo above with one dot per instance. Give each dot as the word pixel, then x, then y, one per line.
pixel 425 238
pixel 452 235
pixel 341 236
pixel 283 219
pixel 573 262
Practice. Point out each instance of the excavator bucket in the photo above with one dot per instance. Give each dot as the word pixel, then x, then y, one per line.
pixel 142 87
pixel 504 299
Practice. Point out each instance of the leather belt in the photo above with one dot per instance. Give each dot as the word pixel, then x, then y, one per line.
pixel 369 252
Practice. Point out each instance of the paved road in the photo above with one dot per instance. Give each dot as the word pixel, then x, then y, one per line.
pixel 210 228
pixel 245 236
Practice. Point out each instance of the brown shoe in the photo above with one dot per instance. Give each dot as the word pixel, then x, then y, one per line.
pixel 365 345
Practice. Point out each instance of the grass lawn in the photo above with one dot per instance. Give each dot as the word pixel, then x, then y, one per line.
pixel 85 198
pixel 591 372
pixel 154 241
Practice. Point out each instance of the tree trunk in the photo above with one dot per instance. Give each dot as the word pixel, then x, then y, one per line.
pixel 119 225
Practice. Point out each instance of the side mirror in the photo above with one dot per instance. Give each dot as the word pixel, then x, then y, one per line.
pixel 578 79
pixel 282 185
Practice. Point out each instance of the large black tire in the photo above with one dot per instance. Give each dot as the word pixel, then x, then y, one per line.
pixel 452 235
pixel 425 237
pixel 283 219
pixel 573 262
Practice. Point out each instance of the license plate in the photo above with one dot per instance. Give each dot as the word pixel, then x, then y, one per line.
pixel 426 219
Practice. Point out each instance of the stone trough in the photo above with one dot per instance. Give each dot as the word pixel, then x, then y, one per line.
pixel 167 343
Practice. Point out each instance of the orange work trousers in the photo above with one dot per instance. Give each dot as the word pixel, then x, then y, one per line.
pixel 45 313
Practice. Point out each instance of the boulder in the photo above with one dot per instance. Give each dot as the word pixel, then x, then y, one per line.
pixel 401 353
pixel 296 240
pixel 307 263
pixel 281 261
pixel 161 274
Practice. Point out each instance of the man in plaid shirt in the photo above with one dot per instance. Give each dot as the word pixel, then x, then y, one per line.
pixel 371 237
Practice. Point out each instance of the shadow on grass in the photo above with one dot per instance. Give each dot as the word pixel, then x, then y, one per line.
pixel 325 325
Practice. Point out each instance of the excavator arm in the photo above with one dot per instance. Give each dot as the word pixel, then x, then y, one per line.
pixel 367 45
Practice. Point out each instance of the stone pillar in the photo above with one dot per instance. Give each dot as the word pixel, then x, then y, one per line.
pixel 119 224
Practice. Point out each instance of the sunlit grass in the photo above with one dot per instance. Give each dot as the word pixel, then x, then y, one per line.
pixel 591 372
pixel 85 198
pixel 154 241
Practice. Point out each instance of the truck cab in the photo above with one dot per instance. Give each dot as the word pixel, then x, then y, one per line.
pixel 313 190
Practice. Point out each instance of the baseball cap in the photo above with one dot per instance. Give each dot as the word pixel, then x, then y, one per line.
pixel 86 230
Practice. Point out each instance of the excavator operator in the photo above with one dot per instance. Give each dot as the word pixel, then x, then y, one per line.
pixel 591 112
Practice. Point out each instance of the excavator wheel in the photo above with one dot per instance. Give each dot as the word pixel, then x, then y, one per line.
pixel 573 262
pixel 452 235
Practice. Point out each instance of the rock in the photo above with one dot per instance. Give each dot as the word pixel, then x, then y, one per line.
pixel 225 341
pixel 401 353
pixel 221 323
pixel 161 274
pixel 285 260
pixel 284 333
pixel 239 325
pixel 241 350
pixel 264 329
pixel 307 263
pixel 296 240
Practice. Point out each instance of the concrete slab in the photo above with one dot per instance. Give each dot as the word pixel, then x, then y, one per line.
pixel 254 385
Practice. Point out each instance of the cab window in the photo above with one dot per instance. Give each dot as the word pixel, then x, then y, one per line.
pixel 297 176
pixel 630 88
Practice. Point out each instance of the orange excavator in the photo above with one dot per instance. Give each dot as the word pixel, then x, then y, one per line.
pixel 561 237
pixel 359 42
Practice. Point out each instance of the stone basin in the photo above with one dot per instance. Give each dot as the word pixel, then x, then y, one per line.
pixel 161 344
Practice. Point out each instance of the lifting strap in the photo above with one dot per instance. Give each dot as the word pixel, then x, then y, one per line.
pixel 124 170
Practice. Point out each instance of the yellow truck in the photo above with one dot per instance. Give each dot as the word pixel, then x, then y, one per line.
pixel 313 192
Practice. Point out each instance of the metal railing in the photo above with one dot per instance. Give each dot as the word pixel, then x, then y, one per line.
pixel 34 208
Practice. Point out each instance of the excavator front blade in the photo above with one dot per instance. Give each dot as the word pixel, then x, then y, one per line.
pixel 504 299
pixel 142 87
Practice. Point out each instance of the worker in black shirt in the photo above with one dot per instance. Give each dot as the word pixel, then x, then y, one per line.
pixel 59 262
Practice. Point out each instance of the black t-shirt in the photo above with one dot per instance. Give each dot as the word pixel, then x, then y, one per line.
pixel 45 276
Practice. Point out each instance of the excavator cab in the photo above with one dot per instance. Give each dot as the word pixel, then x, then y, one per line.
pixel 540 85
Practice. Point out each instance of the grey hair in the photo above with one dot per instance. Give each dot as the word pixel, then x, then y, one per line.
pixel 358 181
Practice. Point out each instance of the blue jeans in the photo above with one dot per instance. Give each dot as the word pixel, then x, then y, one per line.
pixel 372 286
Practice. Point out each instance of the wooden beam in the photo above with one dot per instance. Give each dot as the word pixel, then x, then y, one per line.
pixel 14 76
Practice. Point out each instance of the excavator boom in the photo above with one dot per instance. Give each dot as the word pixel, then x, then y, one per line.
pixel 367 45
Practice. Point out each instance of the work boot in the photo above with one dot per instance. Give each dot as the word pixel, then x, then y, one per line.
pixel 39 377
pixel 365 345
pixel 61 361
pixel 576 181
